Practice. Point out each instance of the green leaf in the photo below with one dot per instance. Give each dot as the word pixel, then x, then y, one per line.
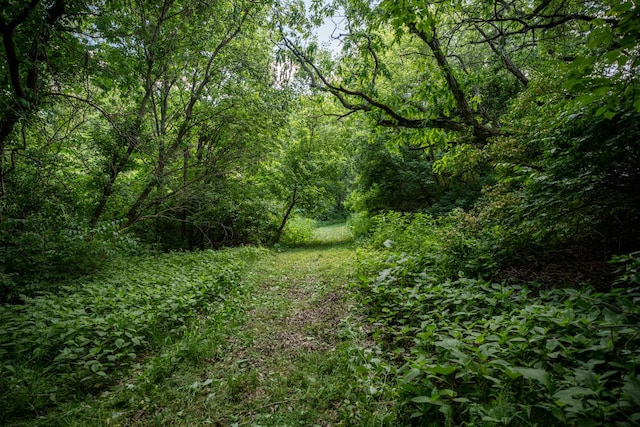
pixel 539 375
pixel 600 36
pixel 566 396
pixel 632 389
pixel 448 343
pixel 410 375
pixel 586 98
pixel 600 111
pixel 442 369
pixel 447 410
pixel 421 399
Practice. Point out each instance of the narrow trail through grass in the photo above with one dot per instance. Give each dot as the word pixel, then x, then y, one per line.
pixel 283 358
pixel 284 365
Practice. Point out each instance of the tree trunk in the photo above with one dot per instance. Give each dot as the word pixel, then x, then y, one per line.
pixel 480 132
pixel 183 208
pixel 25 94
pixel 134 134
pixel 114 171
pixel 292 204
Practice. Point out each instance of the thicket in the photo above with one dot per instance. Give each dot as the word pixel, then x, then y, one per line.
pixel 524 308
pixel 493 150
pixel 171 124
pixel 517 304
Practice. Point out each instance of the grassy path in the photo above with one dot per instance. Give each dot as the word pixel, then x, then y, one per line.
pixel 282 357
pixel 286 365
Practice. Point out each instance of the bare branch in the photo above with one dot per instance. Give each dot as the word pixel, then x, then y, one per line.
pixel 526 26
pixel 506 60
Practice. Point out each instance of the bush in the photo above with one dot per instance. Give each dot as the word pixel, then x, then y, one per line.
pixel 472 352
pixel 628 271
pixel 40 251
pixel 447 246
pixel 298 231
pixel 568 176
pixel 360 225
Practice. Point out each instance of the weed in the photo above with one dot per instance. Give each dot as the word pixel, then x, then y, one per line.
pixel 59 347
pixel 266 347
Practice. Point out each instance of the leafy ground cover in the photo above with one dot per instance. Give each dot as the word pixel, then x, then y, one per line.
pixel 250 337
pixel 195 339
pixel 469 351
pixel 60 347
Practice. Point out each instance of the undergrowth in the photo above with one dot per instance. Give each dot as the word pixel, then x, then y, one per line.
pixel 454 350
pixel 181 339
pixel 299 230
pixel 59 347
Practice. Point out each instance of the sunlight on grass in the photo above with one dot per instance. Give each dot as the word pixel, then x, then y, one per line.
pixel 329 235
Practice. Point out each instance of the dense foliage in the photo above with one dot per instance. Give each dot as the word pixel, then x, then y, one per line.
pixel 460 350
pixel 534 103
pixel 171 123
pixel 492 300
pixel 55 347
pixel 487 151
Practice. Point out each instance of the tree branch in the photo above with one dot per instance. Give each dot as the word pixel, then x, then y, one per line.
pixel 506 60
pixel 340 92
pixel 481 133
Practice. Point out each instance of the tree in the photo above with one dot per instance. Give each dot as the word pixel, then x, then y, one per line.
pixel 37 41
pixel 307 170
pixel 396 70
pixel 522 85
pixel 184 71
pixel 155 112
pixel 447 48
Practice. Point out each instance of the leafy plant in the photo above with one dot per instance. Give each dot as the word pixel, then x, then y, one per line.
pixel 298 230
pixel 628 272
pixel 93 328
pixel 471 351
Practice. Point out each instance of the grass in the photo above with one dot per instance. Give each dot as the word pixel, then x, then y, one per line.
pixel 282 349
pixel 331 235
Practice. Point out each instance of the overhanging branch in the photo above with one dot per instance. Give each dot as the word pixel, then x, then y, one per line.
pixel 320 81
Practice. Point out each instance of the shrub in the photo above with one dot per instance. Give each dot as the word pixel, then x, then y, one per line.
pixel 299 230
pixel 447 246
pixel 40 251
pixel 628 271
pixel 469 351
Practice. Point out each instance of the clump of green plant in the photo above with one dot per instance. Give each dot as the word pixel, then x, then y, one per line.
pixel 55 346
pixel 468 351
pixel 446 246
pixel 299 230
pixel 628 270
pixel 40 251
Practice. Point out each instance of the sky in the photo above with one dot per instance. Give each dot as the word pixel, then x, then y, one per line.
pixel 330 27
